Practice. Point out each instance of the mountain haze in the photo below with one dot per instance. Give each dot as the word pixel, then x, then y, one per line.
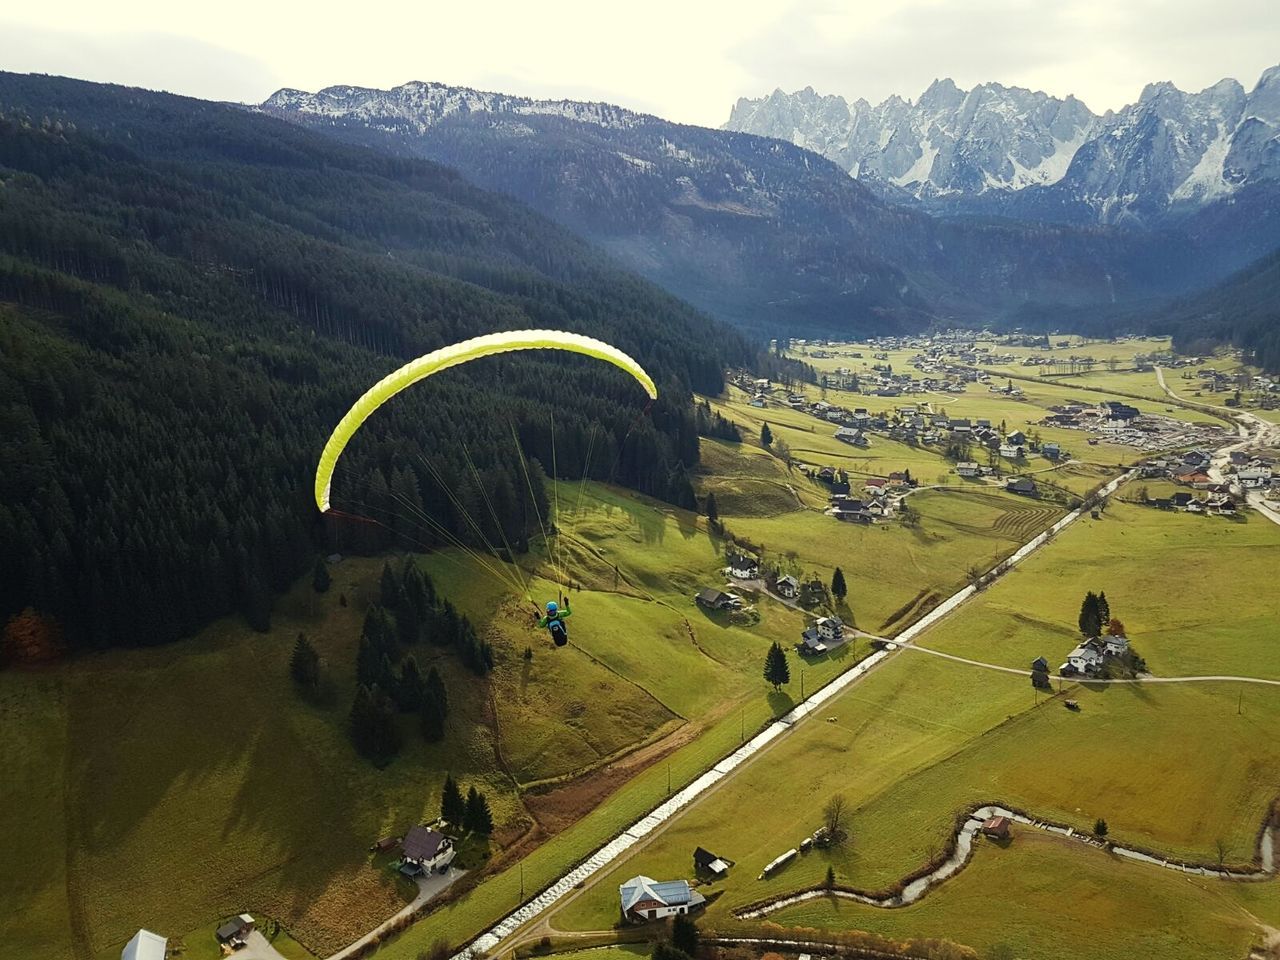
pixel 756 231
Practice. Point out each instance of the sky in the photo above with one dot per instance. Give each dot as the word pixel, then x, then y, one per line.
pixel 686 60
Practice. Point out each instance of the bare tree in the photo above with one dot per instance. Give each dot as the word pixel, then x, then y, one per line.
pixel 833 815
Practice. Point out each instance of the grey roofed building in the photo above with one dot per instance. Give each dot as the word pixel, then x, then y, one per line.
pixel 714 599
pixel 422 843
pixel 145 945
pixel 643 898
pixel 1024 485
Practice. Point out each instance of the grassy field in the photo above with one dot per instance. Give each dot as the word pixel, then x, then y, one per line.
pixel 1176 768
pixel 231 793
pixel 193 782
pixel 1197 595
pixel 1058 885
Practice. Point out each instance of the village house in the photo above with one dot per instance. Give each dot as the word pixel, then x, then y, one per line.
pixel 713 599
pixel 643 898
pixel 1011 452
pixel 743 567
pixel 1016 439
pixel 826 632
pixel 145 945
pixel 425 851
pixel 968 469
pixel 1052 451
pixel 853 436
pixel 788 586
pixel 1252 478
pixel 1089 656
pixel 1022 485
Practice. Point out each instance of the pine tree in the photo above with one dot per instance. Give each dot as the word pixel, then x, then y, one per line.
pixel 411 689
pixel 435 707
pixel 684 934
pixel 712 511
pixel 304 663
pixel 766 435
pixel 478 818
pixel 373 728
pixel 453 808
pixel 1104 608
pixel 839 589
pixel 776 669
pixel 830 882
pixel 1090 619
pixel 390 588
pixel 320 578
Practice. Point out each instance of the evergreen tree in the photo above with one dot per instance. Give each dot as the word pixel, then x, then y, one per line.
pixel 1100 828
pixel 478 818
pixel 304 663
pixel 684 934
pixel 1104 608
pixel 839 589
pixel 435 707
pixel 766 435
pixel 830 881
pixel 1090 621
pixel 665 951
pixel 453 808
pixel 411 689
pixel 390 594
pixel 776 669
pixel 373 728
pixel 320 578
pixel 712 511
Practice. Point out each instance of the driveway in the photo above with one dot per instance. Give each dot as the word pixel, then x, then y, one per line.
pixel 258 947
pixel 429 886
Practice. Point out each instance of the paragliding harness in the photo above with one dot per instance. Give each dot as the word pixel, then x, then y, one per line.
pixel 554 622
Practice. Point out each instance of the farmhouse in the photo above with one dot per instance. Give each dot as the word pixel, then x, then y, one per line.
pixel 1051 451
pixel 788 587
pixel 968 469
pixel 713 599
pixel 826 632
pixel 145 945
pixel 426 851
pixel 1089 657
pixel 1023 485
pixel 742 567
pixel 644 898
pixel 853 436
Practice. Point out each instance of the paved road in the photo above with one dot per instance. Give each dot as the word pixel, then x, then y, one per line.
pixel 258 947
pixel 428 887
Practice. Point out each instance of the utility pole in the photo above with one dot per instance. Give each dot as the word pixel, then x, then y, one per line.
pixel 801 684
pixel 1240 703
pixel 522 881
pixel 668 779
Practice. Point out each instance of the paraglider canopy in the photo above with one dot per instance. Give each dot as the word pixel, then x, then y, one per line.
pixel 451 356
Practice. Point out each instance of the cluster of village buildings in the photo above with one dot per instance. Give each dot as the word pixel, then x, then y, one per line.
pixel 1122 423
pixel 1207 495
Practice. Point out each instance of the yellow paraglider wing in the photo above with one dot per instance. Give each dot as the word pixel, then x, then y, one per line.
pixel 451 356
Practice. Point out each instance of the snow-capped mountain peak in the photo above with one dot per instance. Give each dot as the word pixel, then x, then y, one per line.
pixel 957 149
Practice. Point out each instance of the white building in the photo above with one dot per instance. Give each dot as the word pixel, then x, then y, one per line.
pixel 643 898
pixel 145 945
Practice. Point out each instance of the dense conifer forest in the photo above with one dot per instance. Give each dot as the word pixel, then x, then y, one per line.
pixel 191 295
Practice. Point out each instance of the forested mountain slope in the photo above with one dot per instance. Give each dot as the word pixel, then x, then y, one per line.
pixel 1243 310
pixel 191 296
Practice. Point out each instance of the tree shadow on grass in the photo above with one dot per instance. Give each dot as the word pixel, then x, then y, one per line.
pixel 780 701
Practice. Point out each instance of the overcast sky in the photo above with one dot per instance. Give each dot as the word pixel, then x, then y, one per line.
pixel 686 60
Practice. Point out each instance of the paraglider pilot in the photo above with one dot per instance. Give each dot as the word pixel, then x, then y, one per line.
pixel 554 621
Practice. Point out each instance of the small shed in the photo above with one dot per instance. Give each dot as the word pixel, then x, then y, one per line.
pixel 997 828
pixel 704 861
